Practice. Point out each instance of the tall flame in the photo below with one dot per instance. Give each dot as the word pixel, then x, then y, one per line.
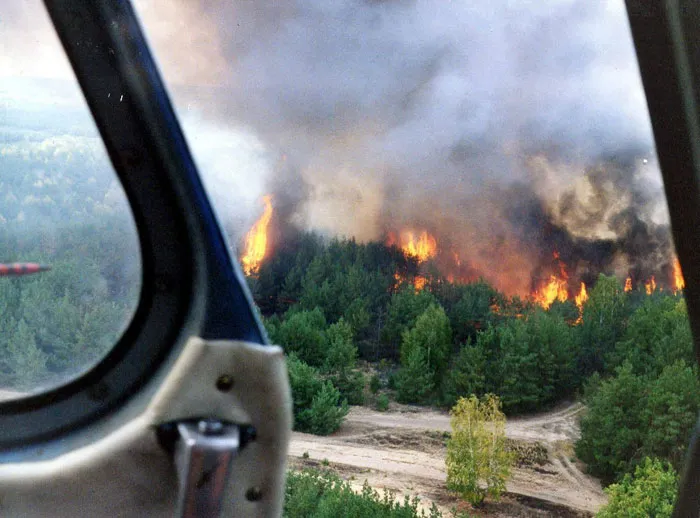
pixel 582 297
pixel 555 289
pixel 628 284
pixel 650 285
pixel 256 240
pixel 422 247
pixel 678 280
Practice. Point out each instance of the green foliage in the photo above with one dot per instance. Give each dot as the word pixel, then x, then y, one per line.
pixel 405 306
pixel 670 412
pixel 382 403
pixel 529 362
pixel 604 318
pixel 612 428
pixel 321 494
pixel 341 360
pixel 658 334
pixel 650 492
pixel 340 351
pixel 22 361
pixel 375 383
pixel 415 381
pixel 631 417
pixel 466 376
pixel 317 404
pixel 350 384
pixel 472 310
pixel 432 334
pixel 302 333
pixel 478 461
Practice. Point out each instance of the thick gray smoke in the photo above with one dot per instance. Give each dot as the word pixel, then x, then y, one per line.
pixel 476 121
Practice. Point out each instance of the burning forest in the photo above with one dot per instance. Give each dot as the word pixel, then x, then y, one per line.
pixel 522 155
pixel 551 279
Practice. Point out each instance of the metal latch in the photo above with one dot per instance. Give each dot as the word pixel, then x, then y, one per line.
pixel 203 453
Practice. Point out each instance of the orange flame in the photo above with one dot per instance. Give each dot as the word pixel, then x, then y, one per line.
pixel 256 240
pixel 678 280
pixel 628 284
pixel 582 297
pixel 650 285
pixel 555 289
pixel 419 282
pixel 422 247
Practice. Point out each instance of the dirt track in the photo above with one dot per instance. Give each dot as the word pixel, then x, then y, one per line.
pixel 403 450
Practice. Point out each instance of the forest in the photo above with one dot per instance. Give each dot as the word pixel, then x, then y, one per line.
pixel 337 305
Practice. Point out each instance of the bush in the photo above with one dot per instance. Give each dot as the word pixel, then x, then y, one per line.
pixel 375 384
pixel 478 461
pixel 382 403
pixel 320 494
pixel 317 403
pixel 650 492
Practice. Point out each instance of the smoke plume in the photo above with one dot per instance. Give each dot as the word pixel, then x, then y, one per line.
pixel 508 130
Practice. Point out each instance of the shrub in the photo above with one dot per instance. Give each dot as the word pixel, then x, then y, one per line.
pixel 382 403
pixel 375 384
pixel 320 494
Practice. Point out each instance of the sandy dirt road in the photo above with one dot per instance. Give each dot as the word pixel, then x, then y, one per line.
pixel 403 450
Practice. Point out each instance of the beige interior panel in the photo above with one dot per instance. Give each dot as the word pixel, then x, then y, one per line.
pixel 127 473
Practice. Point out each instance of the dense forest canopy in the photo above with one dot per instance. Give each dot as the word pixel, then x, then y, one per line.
pixel 61 205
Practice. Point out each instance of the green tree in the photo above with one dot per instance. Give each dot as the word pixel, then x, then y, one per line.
pixel 657 335
pixel 431 333
pixel 317 404
pixel 478 462
pixel 22 359
pixel 302 332
pixel 670 413
pixel 341 360
pixel 405 306
pixel 473 311
pixel 415 380
pixel 322 494
pixel 650 492
pixel 612 430
pixel 604 318
pixel 466 376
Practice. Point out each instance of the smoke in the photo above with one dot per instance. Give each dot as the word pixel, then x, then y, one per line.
pixel 507 129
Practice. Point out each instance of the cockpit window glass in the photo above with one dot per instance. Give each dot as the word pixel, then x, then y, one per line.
pixel 432 200
pixel 70 269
